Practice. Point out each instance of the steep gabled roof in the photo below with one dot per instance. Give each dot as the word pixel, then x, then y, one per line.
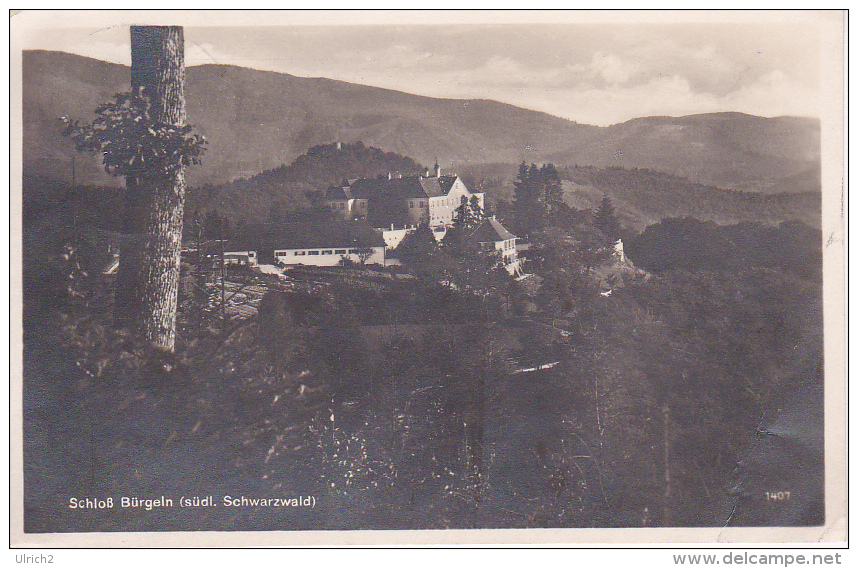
pixel 432 187
pixel 438 186
pixel 397 188
pixel 446 183
pixel 490 231
pixel 338 193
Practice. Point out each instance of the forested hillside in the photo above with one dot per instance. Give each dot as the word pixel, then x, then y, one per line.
pixel 256 121
pixel 643 197
pixel 272 193
pixel 730 149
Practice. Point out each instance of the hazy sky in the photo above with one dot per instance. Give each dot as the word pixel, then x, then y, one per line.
pixel 596 73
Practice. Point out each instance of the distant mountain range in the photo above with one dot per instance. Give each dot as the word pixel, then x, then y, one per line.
pixel 643 197
pixel 257 120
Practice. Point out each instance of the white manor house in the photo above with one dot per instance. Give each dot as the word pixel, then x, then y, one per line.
pixel 398 202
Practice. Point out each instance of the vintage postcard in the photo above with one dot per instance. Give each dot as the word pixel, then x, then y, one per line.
pixel 427 277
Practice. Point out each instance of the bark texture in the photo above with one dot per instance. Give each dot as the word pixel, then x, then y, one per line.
pixel 148 279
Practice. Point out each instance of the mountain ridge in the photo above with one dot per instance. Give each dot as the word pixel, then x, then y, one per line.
pixel 258 120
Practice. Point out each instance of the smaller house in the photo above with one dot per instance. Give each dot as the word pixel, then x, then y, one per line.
pixel 231 251
pixel 492 236
pixel 240 258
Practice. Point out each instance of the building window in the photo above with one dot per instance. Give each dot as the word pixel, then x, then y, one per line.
pixel 342 205
pixel 341 251
pixel 300 253
pixel 313 253
pixel 411 204
pixel 327 252
pixel 422 204
pixel 353 251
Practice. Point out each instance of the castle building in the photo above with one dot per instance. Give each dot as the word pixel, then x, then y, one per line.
pixel 398 201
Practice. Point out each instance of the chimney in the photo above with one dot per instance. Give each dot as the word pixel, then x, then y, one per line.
pixel 427 173
pixel 339 145
pixel 437 169
pixel 389 176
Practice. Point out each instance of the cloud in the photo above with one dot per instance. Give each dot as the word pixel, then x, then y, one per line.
pixel 774 94
pixel 597 74
pixel 611 68
pixel 610 104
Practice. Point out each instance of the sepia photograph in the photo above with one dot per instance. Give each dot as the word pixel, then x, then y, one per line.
pixel 404 276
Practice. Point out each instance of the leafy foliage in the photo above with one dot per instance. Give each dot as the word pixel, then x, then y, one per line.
pixel 694 245
pixel 131 142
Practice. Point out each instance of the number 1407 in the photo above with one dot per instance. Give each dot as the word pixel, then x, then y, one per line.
pixel 777 495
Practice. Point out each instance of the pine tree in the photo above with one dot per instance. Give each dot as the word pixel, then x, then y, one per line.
pixel 606 221
pixel 479 212
pixel 536 209
pixel 521 199
pixel 468 215
pixel 529 206
pixel 553 190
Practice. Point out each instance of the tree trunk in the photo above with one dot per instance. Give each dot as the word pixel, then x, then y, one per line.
pixel 148 280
